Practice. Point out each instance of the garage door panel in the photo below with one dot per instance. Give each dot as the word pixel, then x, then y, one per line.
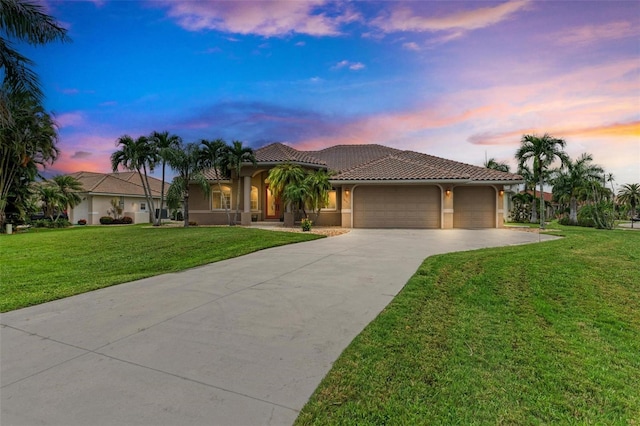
pixel 474 207
pixel 396 207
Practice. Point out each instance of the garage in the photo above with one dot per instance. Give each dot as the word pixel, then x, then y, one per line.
pixel 396 207
pixel 474 207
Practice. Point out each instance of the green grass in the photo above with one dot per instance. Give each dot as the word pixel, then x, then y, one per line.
pixel 536 334
pixel 43 265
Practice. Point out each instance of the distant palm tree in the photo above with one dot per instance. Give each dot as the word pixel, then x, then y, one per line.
pixel 237 155
pixel 140 156
pixel 491 163
pixel 163 143
pixel 576 180
pixel 24 21
pixel 215 156
pixel 541 151
pixel 68 187
pixel 187 162
pixel 629 194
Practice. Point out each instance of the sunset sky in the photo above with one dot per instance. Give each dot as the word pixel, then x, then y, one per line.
pixel 460 80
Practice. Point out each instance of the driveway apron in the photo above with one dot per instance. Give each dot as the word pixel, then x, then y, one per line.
pixel 239 342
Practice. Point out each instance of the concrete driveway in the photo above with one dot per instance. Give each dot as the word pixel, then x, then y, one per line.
pixel 239 342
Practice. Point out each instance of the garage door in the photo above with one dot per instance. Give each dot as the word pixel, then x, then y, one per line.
pixel 396 207
pixel 474 207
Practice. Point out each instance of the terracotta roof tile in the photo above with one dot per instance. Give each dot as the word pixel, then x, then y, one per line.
pixel 277 152
pixel 123 183
pixel 394 167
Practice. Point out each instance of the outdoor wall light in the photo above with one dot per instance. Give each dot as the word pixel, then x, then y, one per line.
pixel 346 192
pixel 448 192
pixel 501 192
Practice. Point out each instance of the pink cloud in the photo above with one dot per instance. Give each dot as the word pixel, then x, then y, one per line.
pixel 411 46
pixel 406 19
pixel 266 18
pixel 597 33
pixel 71 119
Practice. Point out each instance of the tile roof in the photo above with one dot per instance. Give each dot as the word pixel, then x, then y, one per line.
pixel 122 183
pixel 378 162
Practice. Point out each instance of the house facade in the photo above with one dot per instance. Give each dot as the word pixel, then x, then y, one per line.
pixel 100 188
pixel 374 186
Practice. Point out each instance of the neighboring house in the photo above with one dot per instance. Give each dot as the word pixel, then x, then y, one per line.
pixel 551 207
pixel 374 186
pixel 100 188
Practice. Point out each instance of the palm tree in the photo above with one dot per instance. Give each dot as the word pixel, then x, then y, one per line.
pixel 283 176
pixel 318 190
pixel 187 162
pixel 629 194
pixel 491 163
pixel 24 21
pixel 163 143
pixel 542 152
pixel 68 187
pixel 137 155
pixel 576 180
pixel 237 155
pixel 27 145
pixel 49 197
pixel 215 156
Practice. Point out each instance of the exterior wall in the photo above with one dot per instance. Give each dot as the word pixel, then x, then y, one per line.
pixel 447 208
pixel 93 207
pixel 346 211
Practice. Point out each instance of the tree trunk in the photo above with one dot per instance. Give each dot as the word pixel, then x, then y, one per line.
pixel 534 208
pixel 237 201
pixel 573 211
pixel 185 203
pixel 541 202
pixel 159 221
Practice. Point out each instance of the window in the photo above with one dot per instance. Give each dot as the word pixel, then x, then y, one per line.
pixel 254 198
pixel 143 206
pixel 332 204
pixel 121 202
pixel 221 200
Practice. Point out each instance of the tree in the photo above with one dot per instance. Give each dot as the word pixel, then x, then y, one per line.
pixel 186 160
pixel 68 188
pixel 140 156
pixel 23 21
pixel 575 181
pixel 27 145
pixel 163 143
pixel 541 152
pixel 215 156
pixel 283 176
pixel 236 156
pixel 318 187
pixel 491 163
pixel 629 194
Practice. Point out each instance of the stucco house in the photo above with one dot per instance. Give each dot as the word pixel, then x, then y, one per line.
pixel 374 186
pixel 100 188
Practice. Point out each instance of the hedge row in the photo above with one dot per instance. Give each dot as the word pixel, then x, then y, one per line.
pixel 108 220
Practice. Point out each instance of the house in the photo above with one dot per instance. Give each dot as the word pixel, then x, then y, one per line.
pixel 100 188
pixel 374 186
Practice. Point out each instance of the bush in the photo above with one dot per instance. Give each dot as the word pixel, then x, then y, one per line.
pixel 192 223
pixel 106 220
pixel 306 224
pixel 127 220
pixel 82 222
pixel 46 223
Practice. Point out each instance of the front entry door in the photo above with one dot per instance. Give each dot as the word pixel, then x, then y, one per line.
pixel 273 205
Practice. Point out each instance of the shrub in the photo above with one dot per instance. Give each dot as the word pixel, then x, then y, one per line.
pixel 127 220
pixel 82 222
pixel 306 224
pixel 192 223
pixel 106 220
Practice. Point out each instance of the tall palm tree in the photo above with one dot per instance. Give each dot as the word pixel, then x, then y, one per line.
pixel 187 162
pixel 24 21
pixel 163 143
pixel 318 190
pixel 629 194
pixel 493 164
pixel 237 156
pixel 576 180
pixel 68 187
pixel 542 151
pixel 215 156
pixel 27 145
pixel 140 156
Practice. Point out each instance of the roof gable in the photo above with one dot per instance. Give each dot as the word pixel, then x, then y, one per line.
pixel 280 153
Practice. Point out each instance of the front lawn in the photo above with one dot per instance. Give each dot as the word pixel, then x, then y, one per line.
pixel 535 334
pixel 44 265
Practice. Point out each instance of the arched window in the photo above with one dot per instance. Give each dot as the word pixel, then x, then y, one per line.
pixel 220 200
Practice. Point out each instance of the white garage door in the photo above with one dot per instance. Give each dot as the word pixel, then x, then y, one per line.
pixel 396 207
pixel 474 207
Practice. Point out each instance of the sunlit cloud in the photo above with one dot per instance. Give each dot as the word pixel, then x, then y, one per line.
pixel 78 155
pixel 265 18
pixel 589 34
pixel 70 119
pixel 403 18
pixel 411 46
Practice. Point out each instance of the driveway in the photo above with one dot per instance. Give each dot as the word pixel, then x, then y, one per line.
pixel 239 342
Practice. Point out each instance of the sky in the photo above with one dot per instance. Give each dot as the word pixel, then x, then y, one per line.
pixel 459 80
